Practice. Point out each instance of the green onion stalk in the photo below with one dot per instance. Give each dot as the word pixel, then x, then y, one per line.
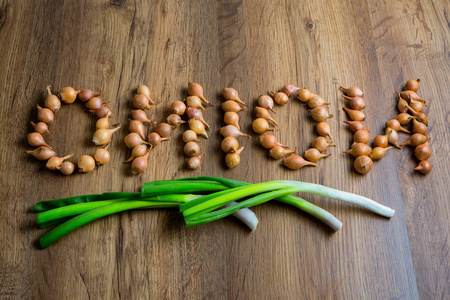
pixel 203 209
pixel 200 200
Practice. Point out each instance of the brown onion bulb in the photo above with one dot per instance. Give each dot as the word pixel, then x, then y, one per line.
pixel 401 105
pixel 357 103
pixel 138 127
pixel 352 91
pixel 423 152
pixel 198 127
pixel 40 127
pixel 102 136
pixel 404 118
pixel 67 168
pixel 68 95
pixel 164 129
pixel 355 125
pixel 85 95
pixel 320 114
pixel 102 123
pixel 262 112
pixel 415 140
pixel 321 144
pixel 295 162
pixel 381 140
pixel 194 113
pixel 417 106
pixel 419 127
pixel 395 124
pixel 191 149
pixel 139 164
pixel 102 156
pixel 233 159
pixel 175 120
pixel 229 144
pixel 42 153
pixel 231 130
pixel 231 118
pixel 52 102
pixel 266 101
pixel 36 140
pixel 378 152
pixel 55 162
pixel 45 115
pixel 137 151
pixel 260 126
pixel 363 164
pixel 155 139
pixel 280 98
pixel 102 112
pixel 411 95
pixel 361 136
pixel 143 89
pixel 315 101
pixel 190 136
pixel 269 141
pixel 95 103
pixel 354 114
pixel 278 152
pixel 196 102
pixel 231 105
pixel 178 107
pixel 324 129
pixel 195 89
pixel 133 139
pixel 412 85
pixel 140 115
pixel 232 94
pixel 359 149
pixel 141 101
pixel 289 89
pixel 392 137
pixel 86 164
pixel 304 95
pixel 313 155
pixel 195 162
pixel 424 167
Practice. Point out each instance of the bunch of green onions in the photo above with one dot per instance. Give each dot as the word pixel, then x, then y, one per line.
pixel 200 200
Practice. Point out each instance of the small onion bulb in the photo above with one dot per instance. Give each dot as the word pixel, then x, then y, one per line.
pixel 261 126
pixel 86 164
pixel 102 156
pixel 363 164
pixel 103 136
pixel 190 136
pixel 45 115
pixel 233 159
pixel 195 162
pixel 229 144
pixel 68 95
pixel 67 168
pixel 40 127
pixel 42 153
pixel 191 149
pixel 52 102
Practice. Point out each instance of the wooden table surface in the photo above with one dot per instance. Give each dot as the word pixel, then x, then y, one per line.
pixel 255 47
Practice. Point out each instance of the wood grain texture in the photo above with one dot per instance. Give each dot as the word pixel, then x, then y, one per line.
pixel 253 46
